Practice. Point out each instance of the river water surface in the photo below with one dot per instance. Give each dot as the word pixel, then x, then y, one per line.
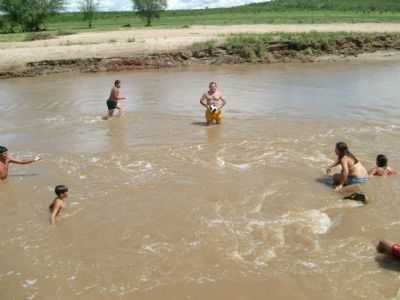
pixel 162 207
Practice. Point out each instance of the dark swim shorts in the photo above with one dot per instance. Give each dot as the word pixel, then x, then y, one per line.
pixel 111 104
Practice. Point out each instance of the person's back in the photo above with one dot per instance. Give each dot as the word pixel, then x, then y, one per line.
pixel 382 168
pixel 356 168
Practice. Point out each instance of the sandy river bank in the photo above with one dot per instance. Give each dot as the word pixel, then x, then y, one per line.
pixel 144 47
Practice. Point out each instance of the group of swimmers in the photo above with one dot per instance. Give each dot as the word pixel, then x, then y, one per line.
pixel 353 174
pixel 212 100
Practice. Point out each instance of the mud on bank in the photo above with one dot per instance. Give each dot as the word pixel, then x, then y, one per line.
pixel 235 49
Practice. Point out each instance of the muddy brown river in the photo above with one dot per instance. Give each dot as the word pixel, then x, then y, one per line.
pixel 162 207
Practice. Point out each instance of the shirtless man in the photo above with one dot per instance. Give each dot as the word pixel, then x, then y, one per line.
pixel 213 102
pixel 112 102
pixel 6 160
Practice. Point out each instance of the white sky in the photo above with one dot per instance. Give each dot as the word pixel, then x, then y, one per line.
pixel 172 4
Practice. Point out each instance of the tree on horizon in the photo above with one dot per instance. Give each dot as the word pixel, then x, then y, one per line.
pixel 149 9
pixel 89 8
pixel 29 15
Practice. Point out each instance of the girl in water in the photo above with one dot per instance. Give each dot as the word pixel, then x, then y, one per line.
pixel 353 172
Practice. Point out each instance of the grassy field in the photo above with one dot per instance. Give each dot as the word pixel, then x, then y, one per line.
pixel 274 12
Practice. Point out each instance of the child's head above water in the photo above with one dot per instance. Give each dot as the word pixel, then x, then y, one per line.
pixel 381 161
pixel 61 191
pixel 3 151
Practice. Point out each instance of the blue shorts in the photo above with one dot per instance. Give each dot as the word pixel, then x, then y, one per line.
pixel 356 180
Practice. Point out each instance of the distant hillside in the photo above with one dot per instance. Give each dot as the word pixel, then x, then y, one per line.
pixel 357 5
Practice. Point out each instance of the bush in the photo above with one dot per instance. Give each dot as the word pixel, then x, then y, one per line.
pixel 38 36
pixel 29 15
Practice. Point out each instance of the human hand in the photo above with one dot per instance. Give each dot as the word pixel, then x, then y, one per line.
pixel 339 188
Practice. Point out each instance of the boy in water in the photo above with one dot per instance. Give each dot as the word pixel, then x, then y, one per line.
pixel 388 248
pixel 6 160
pixel 213 102
pixel 58 204
pixel 382 168
pixel 112 102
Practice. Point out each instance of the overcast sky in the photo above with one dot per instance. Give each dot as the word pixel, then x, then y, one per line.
pixel 172 4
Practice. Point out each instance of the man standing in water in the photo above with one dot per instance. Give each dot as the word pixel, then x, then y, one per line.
pixel 6 160
pixel 112 102
pixel 213 102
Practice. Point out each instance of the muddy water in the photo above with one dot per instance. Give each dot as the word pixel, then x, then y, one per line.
pixel 162 207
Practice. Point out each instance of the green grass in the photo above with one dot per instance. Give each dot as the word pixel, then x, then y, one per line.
pixel 274 12
pixel 253 47
pixel 353 5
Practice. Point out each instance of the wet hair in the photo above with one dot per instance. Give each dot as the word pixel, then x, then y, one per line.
pixel 212 83
pixel 343 150
pixel 60 189
pixel 117 82
pixel 381 161
pixel 3 149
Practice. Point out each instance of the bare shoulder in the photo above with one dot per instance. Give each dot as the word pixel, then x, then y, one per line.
pixel 58 203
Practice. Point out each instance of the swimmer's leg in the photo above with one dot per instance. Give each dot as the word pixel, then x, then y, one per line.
pixel 337 178
pixel 109 114
pixel 218 118
pixel 209 119
pixel 349 189
pixel 119 111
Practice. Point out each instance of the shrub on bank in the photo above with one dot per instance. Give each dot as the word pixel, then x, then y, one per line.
pixel 254 47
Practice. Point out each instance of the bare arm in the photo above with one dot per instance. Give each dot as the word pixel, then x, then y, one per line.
pixel 372 172
pixel 203 101
pixel 23 161
pixel 223 102
pixel 56 210
pixel 116 95
pixel 345 174
pixel 328 170
pixel 392 171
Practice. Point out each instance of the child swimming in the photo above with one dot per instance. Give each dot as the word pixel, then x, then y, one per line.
pixel 58 203
pixel 382 168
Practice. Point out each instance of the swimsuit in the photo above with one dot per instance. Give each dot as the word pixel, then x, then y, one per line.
pixel 213 116
pixel 111 104
pixel 356 180
pixel 396 250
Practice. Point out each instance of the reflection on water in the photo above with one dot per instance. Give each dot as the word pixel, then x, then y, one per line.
pixel 162 205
